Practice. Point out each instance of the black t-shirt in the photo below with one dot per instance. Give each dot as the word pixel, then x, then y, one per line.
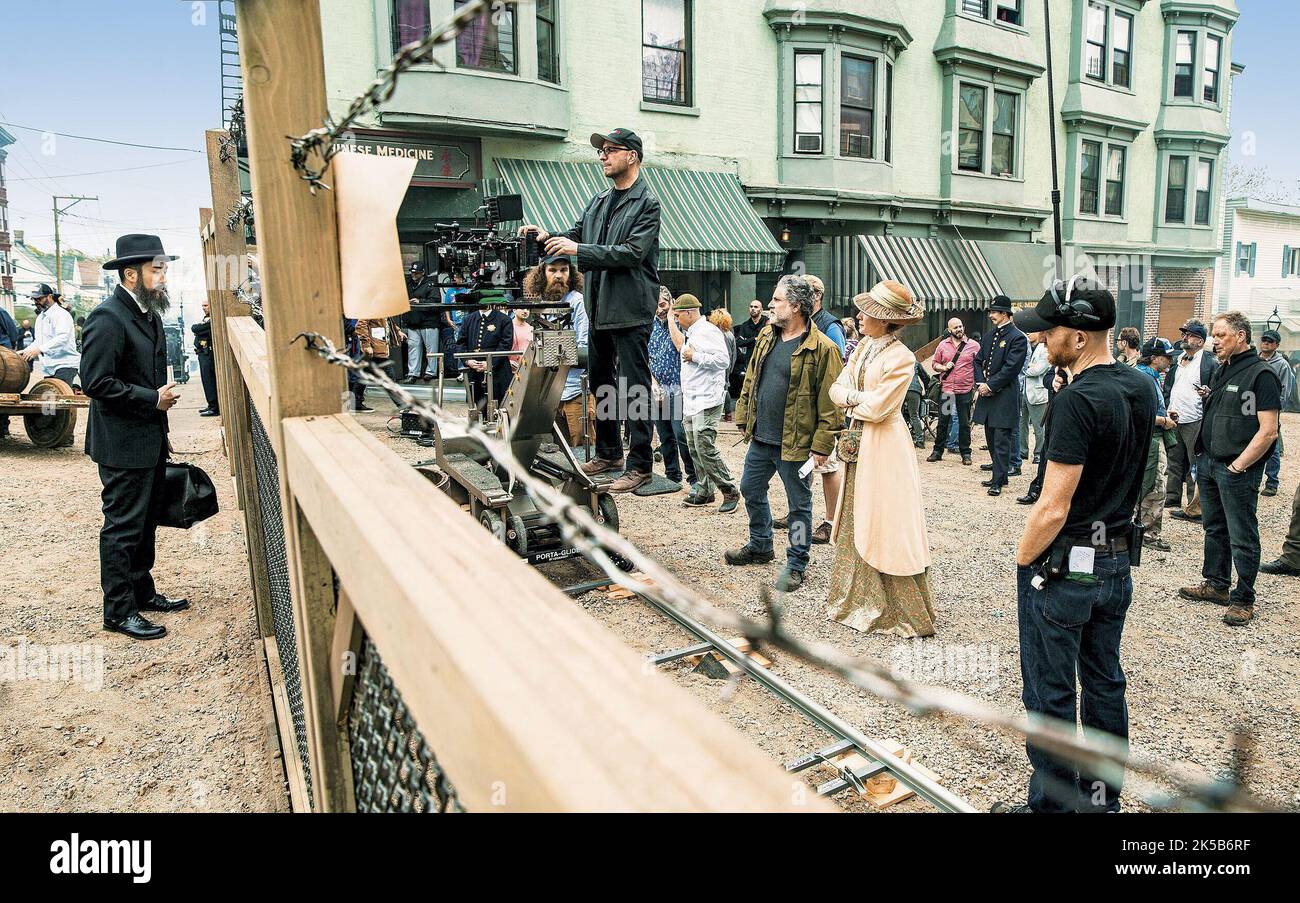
pixel 615 198
pixel 772 390
pixel 1103 420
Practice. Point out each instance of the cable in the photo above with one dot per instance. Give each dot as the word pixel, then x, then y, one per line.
pixel 32 128
pixel 100 172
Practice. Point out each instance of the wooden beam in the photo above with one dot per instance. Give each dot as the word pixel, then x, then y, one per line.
pixel 344 652
pixel 525 700
pixel 248 346
pixel 284 94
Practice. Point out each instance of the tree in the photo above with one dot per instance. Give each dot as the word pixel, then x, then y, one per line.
pixel 1257 182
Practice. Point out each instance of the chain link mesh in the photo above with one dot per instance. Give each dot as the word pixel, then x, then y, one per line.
pixel 393 769
pixel 277 566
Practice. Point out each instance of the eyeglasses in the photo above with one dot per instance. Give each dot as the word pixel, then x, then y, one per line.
pixel 604 152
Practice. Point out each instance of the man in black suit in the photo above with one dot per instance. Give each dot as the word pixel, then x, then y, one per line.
pixel 486 329
pixel 997 385
pixel 124 371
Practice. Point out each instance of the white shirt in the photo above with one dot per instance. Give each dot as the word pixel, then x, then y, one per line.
pixel 1184 399
pixel 704 376
pixel 1035 391
pixel 57 339
pixel 143 309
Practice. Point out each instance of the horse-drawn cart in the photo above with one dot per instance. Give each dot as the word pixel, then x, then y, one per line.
pixel 48 409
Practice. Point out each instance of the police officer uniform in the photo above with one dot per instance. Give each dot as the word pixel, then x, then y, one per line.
pixel 487 329
pixel 999 362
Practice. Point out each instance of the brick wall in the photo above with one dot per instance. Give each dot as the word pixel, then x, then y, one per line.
pixel 1178 279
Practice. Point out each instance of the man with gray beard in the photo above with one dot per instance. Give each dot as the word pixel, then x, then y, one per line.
pixel 124 371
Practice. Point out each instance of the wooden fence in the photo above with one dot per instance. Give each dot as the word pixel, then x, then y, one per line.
pixel 416 663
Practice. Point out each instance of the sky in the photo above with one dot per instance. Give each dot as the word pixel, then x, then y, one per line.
pixel 153 77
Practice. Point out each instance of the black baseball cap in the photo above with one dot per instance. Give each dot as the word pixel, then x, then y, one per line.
pixel 1157 347
pixel 1270 335
pixel 1078 304
pixel 42 290
pixel 1195 329
pixel 622 137
pixel 556 258
pixel 417 267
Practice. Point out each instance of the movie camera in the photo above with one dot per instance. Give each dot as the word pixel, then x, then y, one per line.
pixel 480 256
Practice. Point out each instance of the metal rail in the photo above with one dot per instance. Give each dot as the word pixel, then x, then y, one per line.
pixel 847 737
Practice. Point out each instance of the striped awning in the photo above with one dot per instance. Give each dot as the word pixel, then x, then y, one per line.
pixel 949 273
pixel 707 222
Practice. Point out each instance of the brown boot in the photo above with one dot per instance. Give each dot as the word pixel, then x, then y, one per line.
pixel 822 534
pixel 600 465
pixel 628 481
pixel 1205 592
pixel 1238 616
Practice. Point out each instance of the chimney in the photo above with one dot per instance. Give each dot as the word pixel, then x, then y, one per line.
pixel 18 237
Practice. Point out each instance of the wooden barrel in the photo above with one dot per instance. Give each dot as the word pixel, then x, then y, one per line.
pixel 13 371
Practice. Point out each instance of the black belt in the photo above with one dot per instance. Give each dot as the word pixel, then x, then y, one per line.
pixel 1112 547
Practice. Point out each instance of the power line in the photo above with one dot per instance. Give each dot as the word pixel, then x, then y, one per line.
pixel 32 128
pixel 100 172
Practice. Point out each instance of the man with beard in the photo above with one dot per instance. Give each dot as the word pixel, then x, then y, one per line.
pixel 999 364
pixel 557 281
pixel 124 371
pixel 55 341
pixel 616 242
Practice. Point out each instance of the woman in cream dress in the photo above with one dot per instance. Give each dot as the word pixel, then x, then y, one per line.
pixel 880 578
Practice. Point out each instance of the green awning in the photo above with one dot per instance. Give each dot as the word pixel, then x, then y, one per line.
pixel 707 224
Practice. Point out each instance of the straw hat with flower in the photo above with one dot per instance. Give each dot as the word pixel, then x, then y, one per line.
pixel 891 302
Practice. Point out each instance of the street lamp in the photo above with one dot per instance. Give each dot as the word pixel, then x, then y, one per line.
pixel 1275 322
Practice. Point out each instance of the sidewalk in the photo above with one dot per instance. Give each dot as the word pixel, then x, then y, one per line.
pixel 179 724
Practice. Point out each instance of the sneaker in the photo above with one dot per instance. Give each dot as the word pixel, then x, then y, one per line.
pixel 1205 592
pixel 1155 542
pixel 1279 567
pixel 781 523
pixel 822 534
pixel 630 480
pixel 730 500
pixel 600 465
pixel 1239 615
pixel 789 581
pixel 1269 491
pixel 746 554
pixel 935 455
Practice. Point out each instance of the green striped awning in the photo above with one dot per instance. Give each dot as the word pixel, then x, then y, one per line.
pixel 707 223
pixel 945 272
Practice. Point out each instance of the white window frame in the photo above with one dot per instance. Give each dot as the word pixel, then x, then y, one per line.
pixel 1112 11
pixel 794 101
pixel 990 10
pixel 877 115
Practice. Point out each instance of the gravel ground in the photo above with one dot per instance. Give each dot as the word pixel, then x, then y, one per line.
pixel 177 724
pixel 1192 680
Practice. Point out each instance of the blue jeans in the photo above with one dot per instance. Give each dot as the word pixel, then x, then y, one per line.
pixel 952 435
pixel 1273 465
pixel 761 462
pixel 1068 627
pixel 672 440
pixel 1229 505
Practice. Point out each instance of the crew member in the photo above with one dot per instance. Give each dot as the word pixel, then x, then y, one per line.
pixel 9 338
pixel 207 365
pixel 1268 353
pixel 616 242
pixel 999 363
pixel 55 339
pixel 555 280
pixel 1073 581
pixel 422 327
pixel 124 371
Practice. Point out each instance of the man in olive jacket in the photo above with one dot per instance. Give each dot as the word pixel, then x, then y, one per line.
pixel 616 241
pixel 786 413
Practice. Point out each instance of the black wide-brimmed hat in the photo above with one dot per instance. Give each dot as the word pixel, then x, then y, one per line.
pixel 136 248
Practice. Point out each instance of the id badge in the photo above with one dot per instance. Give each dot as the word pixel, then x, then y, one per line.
pixel 1082 565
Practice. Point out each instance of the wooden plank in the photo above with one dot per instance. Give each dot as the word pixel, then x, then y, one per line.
pixel 298 799
pixel 344 652
pixel 248 345
pixel 284 94
pixel 527 702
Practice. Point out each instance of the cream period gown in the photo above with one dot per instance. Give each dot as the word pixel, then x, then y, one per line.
pixel 879 581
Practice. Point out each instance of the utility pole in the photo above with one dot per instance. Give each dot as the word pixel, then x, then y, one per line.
pixel 58 252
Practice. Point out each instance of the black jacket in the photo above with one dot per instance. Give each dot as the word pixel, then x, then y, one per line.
pixel 202 337
pixel 1209 363
pixel 123 365
pixel 999 363
pixel 622 272
pixel 487 330
pixel 1231 419
pixel 9 334
pixel 427 292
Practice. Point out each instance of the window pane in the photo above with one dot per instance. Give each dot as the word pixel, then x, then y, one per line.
pixel 889 112
pixel 1176 197
pixel 807 68
pixel 663 75
pixel 664 23
pixel 807 93
pixel 1097 23
pixel 970 150
pixel 971 111
pixel 1004 134
pixel 1089 176
pixel 1115 181
pixel 970 136
pixel 1009 11
pixel 1183 64
pixel 1213 55
pixel 1204 179
pixel 1122 52
pixel 548 59
pixel 808 118
pixel 487 45
pixel 1004 155
pixel 855 132
pixel 977 7
pixel 410 22
pixel 859 82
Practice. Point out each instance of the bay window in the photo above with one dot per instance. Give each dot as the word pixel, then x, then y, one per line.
pixel 857 102
pixel 1204 183
pixel 808 102
pixel 1004 134
pixel 1115 163
pixel 1185 64
pixel 548 46
pixel 1089 177
pixel 1095 46
pixel 1213 62
pixel 1176 192
pixel 488 42
pixel 970 128
pixel 410 22
pixel 1122 53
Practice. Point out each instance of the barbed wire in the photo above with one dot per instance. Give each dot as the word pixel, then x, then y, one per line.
pixel 320 144
pixel 241 212
pixel 1103 756
pixel 233 140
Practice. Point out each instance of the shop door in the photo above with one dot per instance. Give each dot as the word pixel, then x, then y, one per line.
pixel 1175 310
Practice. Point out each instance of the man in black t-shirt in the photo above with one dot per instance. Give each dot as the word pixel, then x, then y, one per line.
pixel 1238 430
pixel 1073 583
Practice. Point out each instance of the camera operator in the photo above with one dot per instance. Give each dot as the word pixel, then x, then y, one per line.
pixel 616 242
pixel 1073 581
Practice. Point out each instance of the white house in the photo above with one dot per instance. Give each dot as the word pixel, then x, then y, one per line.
pixel 1259 272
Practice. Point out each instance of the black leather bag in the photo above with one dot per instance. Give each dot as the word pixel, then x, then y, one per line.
pixel 190 496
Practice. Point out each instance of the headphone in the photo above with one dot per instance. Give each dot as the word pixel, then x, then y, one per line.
pixel 1073 310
